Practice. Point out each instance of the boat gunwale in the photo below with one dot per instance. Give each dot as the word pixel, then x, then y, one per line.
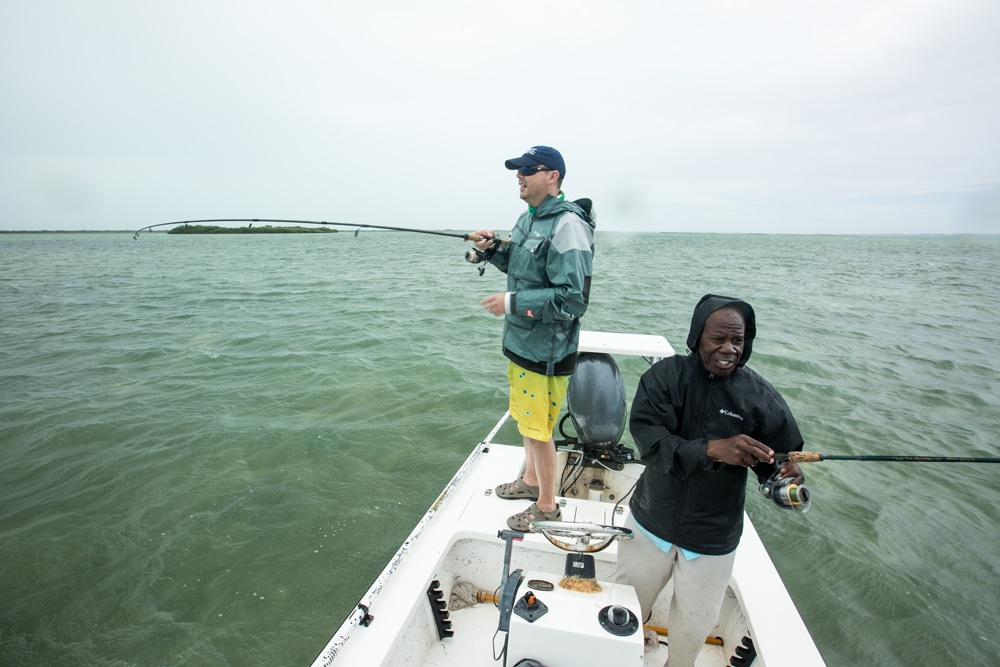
pixel 360 612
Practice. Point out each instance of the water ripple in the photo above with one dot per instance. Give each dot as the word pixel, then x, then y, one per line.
pixel 213 444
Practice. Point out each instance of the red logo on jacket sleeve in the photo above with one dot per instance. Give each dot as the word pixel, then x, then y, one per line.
pixel 529 313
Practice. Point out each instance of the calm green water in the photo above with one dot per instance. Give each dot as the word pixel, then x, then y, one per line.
pixel 211 445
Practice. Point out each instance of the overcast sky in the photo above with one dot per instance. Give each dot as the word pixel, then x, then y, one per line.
pixel 805 116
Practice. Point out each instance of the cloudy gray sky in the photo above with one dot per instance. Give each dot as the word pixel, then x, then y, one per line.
pixel 849 116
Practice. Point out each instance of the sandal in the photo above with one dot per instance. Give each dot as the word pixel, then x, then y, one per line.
pixel 517 490
pixel 522 520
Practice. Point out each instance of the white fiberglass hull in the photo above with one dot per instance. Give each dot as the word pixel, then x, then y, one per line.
pixel 458 542
pixel 408 617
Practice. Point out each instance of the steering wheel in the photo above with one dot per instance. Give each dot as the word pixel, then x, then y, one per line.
pixel 580 537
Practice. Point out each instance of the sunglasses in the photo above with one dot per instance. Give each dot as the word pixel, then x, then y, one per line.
pixel 533 169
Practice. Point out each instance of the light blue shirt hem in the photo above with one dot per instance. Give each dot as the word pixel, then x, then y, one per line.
pixel 663 545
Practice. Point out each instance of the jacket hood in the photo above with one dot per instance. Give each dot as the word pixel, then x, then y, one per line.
pixel 713 302
pixel 583 208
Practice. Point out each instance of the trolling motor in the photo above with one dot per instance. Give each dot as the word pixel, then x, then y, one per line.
pixel 595 402
pixel 785 494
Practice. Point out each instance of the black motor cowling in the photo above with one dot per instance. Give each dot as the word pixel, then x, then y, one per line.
pixel 595 400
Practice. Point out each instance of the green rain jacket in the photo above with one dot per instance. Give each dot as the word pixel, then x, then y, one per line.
pixel 549 264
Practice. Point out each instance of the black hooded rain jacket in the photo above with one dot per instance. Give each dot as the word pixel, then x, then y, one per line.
pixel 683 496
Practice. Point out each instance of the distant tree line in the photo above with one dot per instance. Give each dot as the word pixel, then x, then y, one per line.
pixel 266 229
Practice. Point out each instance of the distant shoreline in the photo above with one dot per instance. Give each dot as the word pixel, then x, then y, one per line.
pixel 250 229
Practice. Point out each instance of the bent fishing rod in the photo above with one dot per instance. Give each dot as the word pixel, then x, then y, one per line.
pixel 812 457
pixel 466 237
pixel 472 256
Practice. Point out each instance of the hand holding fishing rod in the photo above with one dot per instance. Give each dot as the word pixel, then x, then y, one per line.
pixel 485 239
pixel 785 486
pixel 487 245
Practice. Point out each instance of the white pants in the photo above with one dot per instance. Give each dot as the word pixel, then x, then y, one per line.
pixel 699 589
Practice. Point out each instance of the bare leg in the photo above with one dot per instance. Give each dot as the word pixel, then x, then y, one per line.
pixel 540 469
pixel 528 471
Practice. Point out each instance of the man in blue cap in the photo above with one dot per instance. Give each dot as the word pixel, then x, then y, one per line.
pixel 548 262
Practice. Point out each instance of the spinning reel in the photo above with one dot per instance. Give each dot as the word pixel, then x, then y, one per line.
pixel 785 494
pixel 476 256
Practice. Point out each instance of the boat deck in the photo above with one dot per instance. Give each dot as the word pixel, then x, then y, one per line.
pixel 456 547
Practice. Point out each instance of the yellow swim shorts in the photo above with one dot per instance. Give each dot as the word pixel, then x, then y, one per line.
pixel 535 401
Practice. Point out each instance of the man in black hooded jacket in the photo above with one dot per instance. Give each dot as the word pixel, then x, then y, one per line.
pixel 699 422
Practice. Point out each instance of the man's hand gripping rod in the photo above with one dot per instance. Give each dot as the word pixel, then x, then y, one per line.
pixel 477 256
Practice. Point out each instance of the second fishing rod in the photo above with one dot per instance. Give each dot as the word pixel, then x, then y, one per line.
pixel 787 495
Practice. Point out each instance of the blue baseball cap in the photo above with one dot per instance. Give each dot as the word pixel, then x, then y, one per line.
pixel 546 155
